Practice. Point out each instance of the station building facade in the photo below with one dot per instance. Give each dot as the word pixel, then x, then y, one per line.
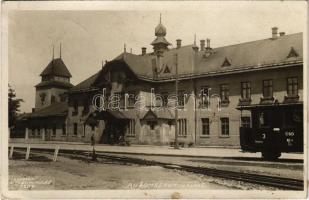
pixel 212 84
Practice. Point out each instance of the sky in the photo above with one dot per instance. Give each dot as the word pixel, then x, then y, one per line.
pixel 89 37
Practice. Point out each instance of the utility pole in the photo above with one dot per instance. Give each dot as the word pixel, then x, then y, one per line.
pixel 176 107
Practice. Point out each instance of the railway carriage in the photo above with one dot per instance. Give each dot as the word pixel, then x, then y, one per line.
pixel 275 128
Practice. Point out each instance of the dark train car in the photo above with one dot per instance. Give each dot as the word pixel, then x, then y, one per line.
pixel 275 129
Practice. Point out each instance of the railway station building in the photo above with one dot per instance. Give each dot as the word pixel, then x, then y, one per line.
pixel 212 83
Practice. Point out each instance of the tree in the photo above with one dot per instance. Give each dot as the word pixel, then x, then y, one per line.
pixel 14 104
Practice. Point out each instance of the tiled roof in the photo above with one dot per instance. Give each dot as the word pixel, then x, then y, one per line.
pixel 54 110
pixel 260 54
pixel 240 56
pixel 256 53
pixel 54 83
pixel 56 67
pixel 86 84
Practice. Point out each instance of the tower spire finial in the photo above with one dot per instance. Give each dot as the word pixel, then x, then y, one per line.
pixel 124 48
pixel 160 18
pixel 60 51
pixel 194 39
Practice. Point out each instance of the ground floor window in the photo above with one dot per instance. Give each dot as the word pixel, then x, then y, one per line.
pixel 245 122
pixel 54 130
pixel 38 132
pixel 131 127
pixel 64 129
pixel 205 126
pixel 152 124
pixel 182 127
pixel 224 126
pixel 75 128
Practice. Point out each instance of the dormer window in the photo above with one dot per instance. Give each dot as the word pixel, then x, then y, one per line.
pixel 292 53
pixel 226 63
pixel 167 70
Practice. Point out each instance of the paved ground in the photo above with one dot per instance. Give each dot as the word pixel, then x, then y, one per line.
pixel 159 150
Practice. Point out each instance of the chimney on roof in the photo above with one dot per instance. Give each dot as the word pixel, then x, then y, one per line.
pixel 274 32
pixel 208 50
pixel 202 43
pixel 282 34
pixel 144 51
pixel 178 43
pixel 208 43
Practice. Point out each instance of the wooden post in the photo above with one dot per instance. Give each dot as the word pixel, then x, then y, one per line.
pixel 28 152
pixel 43 134
pixel 176 107
pixel 11 151
pixel 56 153
pixel 26 133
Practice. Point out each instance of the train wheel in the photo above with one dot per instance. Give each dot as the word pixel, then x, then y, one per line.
pixel 271 155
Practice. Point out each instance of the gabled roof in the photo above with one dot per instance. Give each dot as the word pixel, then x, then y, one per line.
pixel 56 109
pixel 85 84
pixel 56 67
pixel 158 114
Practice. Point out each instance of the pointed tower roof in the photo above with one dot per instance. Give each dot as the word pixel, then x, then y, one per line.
pixel 56 67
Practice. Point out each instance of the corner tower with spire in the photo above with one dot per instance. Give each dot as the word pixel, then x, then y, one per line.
pixel 55 82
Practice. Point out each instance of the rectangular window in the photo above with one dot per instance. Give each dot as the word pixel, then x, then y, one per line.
pixel 64 129
pixel 245 122
pixel 75 129
pixel 205 126
pixel 292 86
pixel 86 106
pixel 164 96
pixel 33 132
pixel 131 99
pixel 182 127
pixel 152 124
pixel 225 126
pixel 75 108
pixel 205 96
pixel 224 92
pixel 181 101
pixel 54 130
pixel 131 127
pixel 267 88
pixel 39 132
pixel 53 99
pixel 245 90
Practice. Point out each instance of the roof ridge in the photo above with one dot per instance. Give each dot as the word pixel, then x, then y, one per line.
pixel 256 40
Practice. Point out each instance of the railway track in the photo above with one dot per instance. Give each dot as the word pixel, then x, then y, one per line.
pixel 277 182
pixel 272 181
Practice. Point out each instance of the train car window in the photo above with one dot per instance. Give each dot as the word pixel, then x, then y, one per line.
pixel 263 119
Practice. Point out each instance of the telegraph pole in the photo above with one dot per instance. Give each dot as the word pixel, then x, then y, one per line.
pixel 176 107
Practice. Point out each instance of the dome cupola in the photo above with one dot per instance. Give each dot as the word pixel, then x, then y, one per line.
pixel 160 30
